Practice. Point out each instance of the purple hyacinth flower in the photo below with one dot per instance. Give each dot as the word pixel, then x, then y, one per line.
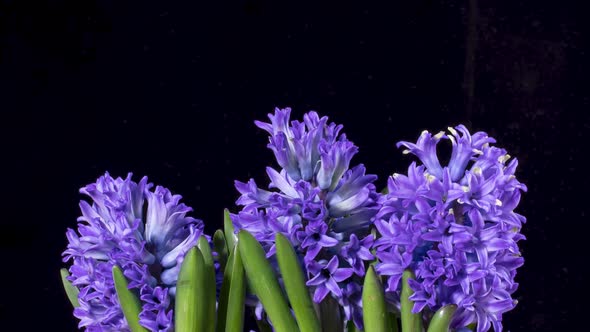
pixel 326 276
pixel 316 199
pixel 465 147
pixel 314 238
pixel 425 149
pixel 479 240
pixel 356 252
pixel 392 264
pixel 454 225
pixel 484 305
pixel 351 302
pixel 146 233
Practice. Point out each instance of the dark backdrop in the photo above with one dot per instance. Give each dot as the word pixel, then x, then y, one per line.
pixel 170 89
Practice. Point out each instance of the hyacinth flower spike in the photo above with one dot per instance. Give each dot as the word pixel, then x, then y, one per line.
pixel 316 200
pixel 144 232
pixel 454 226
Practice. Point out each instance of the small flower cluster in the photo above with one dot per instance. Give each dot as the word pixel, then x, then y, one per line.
pixel 146 233
pixel 455 226
pixel 317 202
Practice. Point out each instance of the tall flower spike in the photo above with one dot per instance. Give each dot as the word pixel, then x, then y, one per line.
pixel 318 202
pixel 148 247
pixel 455 226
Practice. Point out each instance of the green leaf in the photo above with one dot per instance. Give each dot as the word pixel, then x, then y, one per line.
pixel 191 309
pixel 264 283
pixel 294 281
pixel 237 295
pixel 130 304
pixel 228 228
pixel 374 308
pixel 410 322
pixel 224 294
pixel 220 248
pixel 442 318
pixel 210 283
pixel 71 290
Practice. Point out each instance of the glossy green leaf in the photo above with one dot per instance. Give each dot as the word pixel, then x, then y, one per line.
pixel 442 318
pixel 228 228
pixel 265 284
pixel 220 248
pixel 410 322
pixel 130 304
pixel 294 281
pixel 209 291
pixel 374 309
pixel 224 294
pixel 71 290
pixel 237 295
pixel 191 309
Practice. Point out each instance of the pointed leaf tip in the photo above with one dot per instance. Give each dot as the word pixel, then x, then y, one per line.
pixel 220 248
pixel 71 290
pixel 228 229
pixel 374 308
pixel 192 301
pixel 442 319
pixel 129 302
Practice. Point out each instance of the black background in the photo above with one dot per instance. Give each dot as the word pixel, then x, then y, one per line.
pixel 170 90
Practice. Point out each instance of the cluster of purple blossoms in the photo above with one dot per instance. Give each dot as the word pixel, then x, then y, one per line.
pixel 324 207
pixel 146 233
pixel 455 227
